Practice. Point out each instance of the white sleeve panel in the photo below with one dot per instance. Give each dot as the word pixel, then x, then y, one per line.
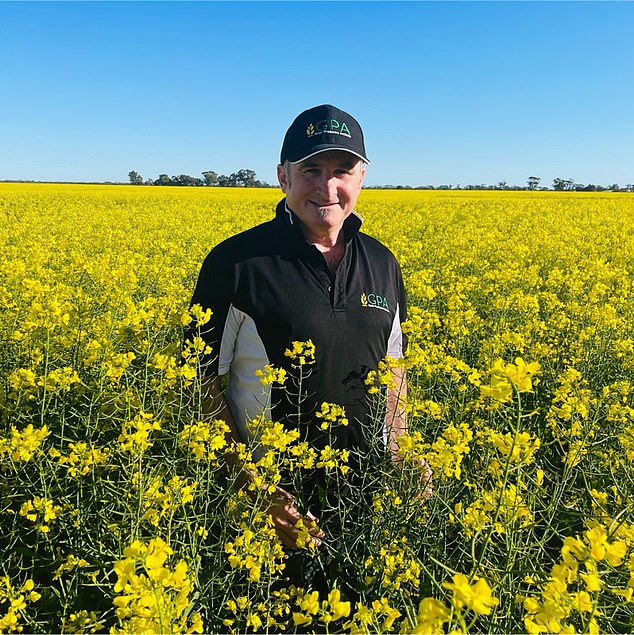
pixel 395 341
pixel 395 350
pixel 242 352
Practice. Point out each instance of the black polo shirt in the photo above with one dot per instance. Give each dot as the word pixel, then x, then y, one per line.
pixel 267 287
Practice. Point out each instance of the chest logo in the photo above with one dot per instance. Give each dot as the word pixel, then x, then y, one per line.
pixel 374 301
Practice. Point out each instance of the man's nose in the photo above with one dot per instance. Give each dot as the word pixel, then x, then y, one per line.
pixel 328 187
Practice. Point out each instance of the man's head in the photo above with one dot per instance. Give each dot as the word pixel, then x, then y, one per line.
pixel 322 169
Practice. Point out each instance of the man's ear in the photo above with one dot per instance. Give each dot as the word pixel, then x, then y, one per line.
pixel 281 177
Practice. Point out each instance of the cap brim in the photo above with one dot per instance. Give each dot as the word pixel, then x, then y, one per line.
pixel 328 149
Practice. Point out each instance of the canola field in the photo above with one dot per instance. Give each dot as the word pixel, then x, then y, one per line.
pixel 117 513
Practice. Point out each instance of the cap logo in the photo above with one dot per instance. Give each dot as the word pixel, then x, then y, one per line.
pixel 328 125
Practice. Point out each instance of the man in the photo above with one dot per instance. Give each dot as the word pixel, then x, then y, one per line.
pixel 308 275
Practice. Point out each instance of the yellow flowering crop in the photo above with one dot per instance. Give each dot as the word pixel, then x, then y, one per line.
pixel 135 436
pixel 505 377
pixel 301 353
pixel 152 597
pixel 83 458
pixel 23 444
pixel 475 596
pixel 41 511
pixel 16 600
pixel 520 398
pixel 204 439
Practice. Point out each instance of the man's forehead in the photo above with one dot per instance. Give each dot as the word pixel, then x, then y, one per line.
pixel 332 157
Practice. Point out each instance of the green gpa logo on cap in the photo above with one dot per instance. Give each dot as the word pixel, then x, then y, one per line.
pixel 328 125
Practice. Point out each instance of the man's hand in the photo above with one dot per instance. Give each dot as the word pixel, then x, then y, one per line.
pixel 285 518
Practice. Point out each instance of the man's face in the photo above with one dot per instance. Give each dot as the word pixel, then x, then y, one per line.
pixel 323 190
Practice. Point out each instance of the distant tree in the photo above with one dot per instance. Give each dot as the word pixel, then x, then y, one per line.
pixel 185 179
pixel 533 182
pixel 243 178
pixel 135 178
pixel 501 185
pixel 210 178
pixel 563 184
pixel 163 179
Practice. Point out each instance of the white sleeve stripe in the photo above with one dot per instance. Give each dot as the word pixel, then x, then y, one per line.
pixel 242 352
pixel 395 341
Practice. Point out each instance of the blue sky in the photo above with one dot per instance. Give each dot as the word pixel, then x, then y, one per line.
pixel 446 92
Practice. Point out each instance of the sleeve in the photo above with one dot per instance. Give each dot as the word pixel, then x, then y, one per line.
pixel 397 343
pixel 214 290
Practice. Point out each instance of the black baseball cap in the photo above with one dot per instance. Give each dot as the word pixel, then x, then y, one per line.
pixel 320 129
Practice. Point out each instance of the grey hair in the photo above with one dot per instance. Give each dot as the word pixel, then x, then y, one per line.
pixel 287 170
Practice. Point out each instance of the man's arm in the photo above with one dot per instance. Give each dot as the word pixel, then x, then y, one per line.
pixel 396 418
pixel 281 504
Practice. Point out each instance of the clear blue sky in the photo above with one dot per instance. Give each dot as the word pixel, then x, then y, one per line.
pixel 447 92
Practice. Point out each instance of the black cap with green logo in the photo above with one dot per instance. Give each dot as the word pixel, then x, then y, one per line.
pixel 320 129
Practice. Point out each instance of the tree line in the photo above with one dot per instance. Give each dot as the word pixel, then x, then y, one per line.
pixel 241 178
pixel 558 185
pixel 248 178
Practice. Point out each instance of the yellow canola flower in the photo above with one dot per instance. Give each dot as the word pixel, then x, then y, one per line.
pixel 476 597
pixel 445 455
pixel 504 378
pixel 304 537
pixel 40 510
pixel 330 610
pixel 152 597
pixel 72 562
pixel 135 436
pixel 22 380
pixel 59 380
pixel 256 548
pixel 117 364
pixel 431 618
pixel 301 353
pixel 16 600
pixel 333 459
pixel 198 314
pixel 271 375
pixel 331 415
pixel 602 549
pixel 22 445
pixel 204 439
pixel 520 447
pixel 83 458
pixel 274 435
pixel 82 622
pixel 395 567
pixel 163 500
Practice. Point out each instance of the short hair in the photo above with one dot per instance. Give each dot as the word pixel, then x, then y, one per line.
pixel 287 170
